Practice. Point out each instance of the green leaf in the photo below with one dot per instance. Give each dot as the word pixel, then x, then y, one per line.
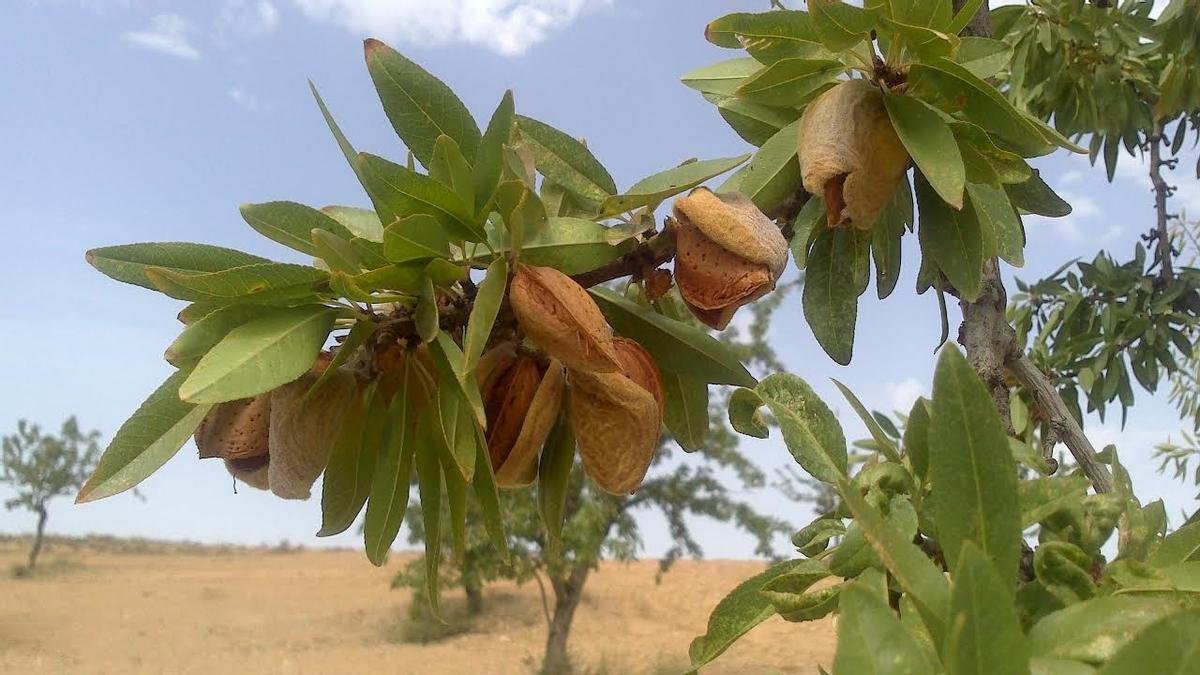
pixel 971 468
pixel 259 356
pixel 399 192
pixel 755 122
pixel 871 639
pixel 1035 196
pixel 202 335
pixel 443 273
pixel 363 223
pixel 721 78
pixel 654 189
pixel 483 314
pixel 676 346
pixel 767 36
pixel 128 263
pixel 261 282
pixel 830 298
pixel 964 15
pixel 983 57
pixel 567 162
pixel 388 499
pixel 456 424
pixel 1094 630
pixel 150 437
pixel 952 239
pixel 418 237
pixel 788 592
pixel 291 224
pixel 926 43
pixel 998 221
pixel 685 409
pixel 425 318
pixel 915 573
pixel 489 497
pixel 809 427
pixel 337 254
pixel 554 478
pixel 343 143
pixel 790 81
pixel 744 415
pixel 451 169
pixel 885 243
pixel 351 469
pixel 985 632
pixel 773 174
pixel 839 25
pixel 490 163
pixel 1182 545
pixel 449 360
pixel 932 146
pixel 570 245
pixel 985 159
pixel 882 442
pixel 419 106
pixel 916 438
pixel 814 538
pixel 1172 645
pixel 456 500
pixel 429 482
pixel 741 610
pixel 960 90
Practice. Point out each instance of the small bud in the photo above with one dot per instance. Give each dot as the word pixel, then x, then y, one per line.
pixel 728 254
pixel 850 154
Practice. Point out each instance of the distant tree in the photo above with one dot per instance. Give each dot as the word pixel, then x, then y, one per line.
pixel 40 467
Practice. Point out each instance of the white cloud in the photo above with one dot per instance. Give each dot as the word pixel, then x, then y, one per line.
pixel 1079 225
pixel 247 19
pixel 1071 177
pixel 508 27
pixel 167 34
pixel 903 394
pixel 244 99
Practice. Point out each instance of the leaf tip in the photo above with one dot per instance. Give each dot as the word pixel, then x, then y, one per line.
pixel 372 45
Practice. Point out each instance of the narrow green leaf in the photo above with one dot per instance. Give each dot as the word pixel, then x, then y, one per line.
pixel 1035 196
pixel 398 192
pixel 291 224
pixel 915 573
pixel 830 297
pixel 362 223
pixel 338 254
pixel 721 78
pixel 964 15
pixel 449 361
pixel 839 25
pixel 932 146
pixel 741 610
pixel 351 468
pixel 267 282
pixel 388 499
pixel 871 639
pixel 259 356
pixel 916 438
pixel 567 162
pixel 202 335
pixel 569 245
pixel 809 427
pixel 882 442
pixel 952 239
pixel 489 164
pixel 554 478
pixel 675 346
pixel 755 122
pixel 419 106
pixel 744 415
pixel 128 263
pixel 1172 645
pixel 767 36
pixel 995 215
pixel 789 81
pixel 451 169
pixel 483 314
pixel 654 189
pixel 685 409
pixel 1093 631
pixel 456 499
pixel 971 468
pixel 488 495
pixel 1182 545
pixel 426 316
pixel 774 173
pixel 429 482
pixel 985 632
pixel 359 333
pixel 150 437
pixel 418 237
pixel 983 57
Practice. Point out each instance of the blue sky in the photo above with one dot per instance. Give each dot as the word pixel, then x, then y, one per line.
pixel 145 120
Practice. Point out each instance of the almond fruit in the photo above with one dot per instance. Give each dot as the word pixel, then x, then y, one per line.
pixel 303 429
pixel 850 153
pixel 521 400
pixel 236 430
pixel 561 318
pixel 728 254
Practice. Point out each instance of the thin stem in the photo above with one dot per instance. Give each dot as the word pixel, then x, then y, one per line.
pixel 1161 192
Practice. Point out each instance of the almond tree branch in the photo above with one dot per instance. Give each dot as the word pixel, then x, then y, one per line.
pixel 1161 192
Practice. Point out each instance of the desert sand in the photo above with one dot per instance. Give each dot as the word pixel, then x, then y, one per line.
pixel 137 607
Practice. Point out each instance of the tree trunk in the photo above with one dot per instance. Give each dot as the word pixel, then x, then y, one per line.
pixel 37 538
pixel 474 595
pixel 567 594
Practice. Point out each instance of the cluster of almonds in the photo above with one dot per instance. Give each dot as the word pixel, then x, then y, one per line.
pixel 850 153
pixel 728 254
pixel 281 440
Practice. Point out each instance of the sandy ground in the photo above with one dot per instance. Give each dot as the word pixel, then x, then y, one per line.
pixel 128 607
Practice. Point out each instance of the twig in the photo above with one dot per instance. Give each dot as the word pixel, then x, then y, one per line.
pixel 1161 190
